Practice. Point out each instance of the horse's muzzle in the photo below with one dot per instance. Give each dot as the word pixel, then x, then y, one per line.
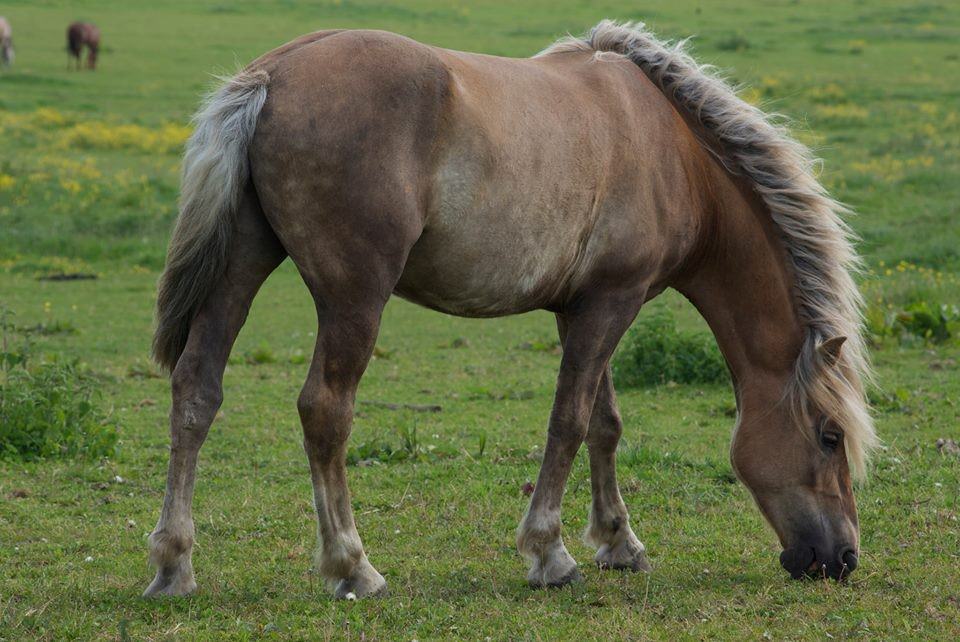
pixel 806 562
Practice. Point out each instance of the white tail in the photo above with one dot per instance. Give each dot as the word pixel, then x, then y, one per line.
pixel 215 171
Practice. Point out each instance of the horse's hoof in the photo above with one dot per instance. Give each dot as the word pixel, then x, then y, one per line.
pixel 365 581
pixel 628 555
pixel 554 574
pixel 570 577
pixel 169 582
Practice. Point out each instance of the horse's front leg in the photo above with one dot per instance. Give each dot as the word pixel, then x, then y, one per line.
pixel 592 333
pixel 609 528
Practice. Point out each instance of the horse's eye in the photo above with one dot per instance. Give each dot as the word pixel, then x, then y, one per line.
pixel 830 439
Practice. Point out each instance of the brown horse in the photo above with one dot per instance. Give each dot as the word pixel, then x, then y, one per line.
pixel 80 35
pixel 583 181
pixel 6 42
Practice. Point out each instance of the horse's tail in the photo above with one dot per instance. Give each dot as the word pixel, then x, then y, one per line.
pixel 215 172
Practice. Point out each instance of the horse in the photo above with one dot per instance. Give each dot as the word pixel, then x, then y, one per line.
pixel 583 181
pixel 6 42
pixel 80 35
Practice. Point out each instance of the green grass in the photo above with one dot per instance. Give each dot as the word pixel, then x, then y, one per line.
pixel 88 180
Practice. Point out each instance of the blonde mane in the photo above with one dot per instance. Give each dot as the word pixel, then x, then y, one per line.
pixel 819 243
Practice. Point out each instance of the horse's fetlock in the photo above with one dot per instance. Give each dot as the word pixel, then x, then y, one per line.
pixel 337 560
pixel 537 533
pixel 167 547
pixel 607 525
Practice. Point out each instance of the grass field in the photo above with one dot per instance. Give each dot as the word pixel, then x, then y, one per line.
pixel 88 183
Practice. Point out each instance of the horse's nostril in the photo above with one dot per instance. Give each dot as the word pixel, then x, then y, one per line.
pixel 850 560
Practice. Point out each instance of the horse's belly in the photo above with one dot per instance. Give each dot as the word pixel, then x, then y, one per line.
pixel 481 290
pixel 485 274
pixel 497 255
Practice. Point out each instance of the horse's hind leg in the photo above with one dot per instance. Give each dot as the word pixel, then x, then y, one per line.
pixel 197 390
pixel 350 246
pixel 350 299
pixel 345 341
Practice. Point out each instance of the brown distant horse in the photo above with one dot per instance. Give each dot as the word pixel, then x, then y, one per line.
pixel 6 42
pixel 80 35
pixel 583 181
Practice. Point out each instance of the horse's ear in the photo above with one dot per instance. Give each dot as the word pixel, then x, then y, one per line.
pixel 830 350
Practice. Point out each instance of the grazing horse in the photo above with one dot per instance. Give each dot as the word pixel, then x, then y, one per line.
pixel 80 35
pixel 583 181
pixel 6 42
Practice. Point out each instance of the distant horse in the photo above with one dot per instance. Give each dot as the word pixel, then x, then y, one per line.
pixel 80 35
pixel 583 181
pixel 6 42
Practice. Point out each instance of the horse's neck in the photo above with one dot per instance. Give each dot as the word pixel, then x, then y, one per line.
pixel 742 285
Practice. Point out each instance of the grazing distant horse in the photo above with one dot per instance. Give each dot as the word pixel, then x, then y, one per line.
pixel 6 42
pixel 80 35
pixel 583 181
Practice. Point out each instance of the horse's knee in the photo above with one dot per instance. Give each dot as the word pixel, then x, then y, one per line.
pixel 606 428
pixel 570 420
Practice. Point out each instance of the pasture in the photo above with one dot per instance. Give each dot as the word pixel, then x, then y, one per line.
pixel 452 414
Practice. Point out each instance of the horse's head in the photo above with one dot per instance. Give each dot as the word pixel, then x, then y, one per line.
pixel 796 466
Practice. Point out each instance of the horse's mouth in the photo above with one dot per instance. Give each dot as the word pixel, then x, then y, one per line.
pixel 802 563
